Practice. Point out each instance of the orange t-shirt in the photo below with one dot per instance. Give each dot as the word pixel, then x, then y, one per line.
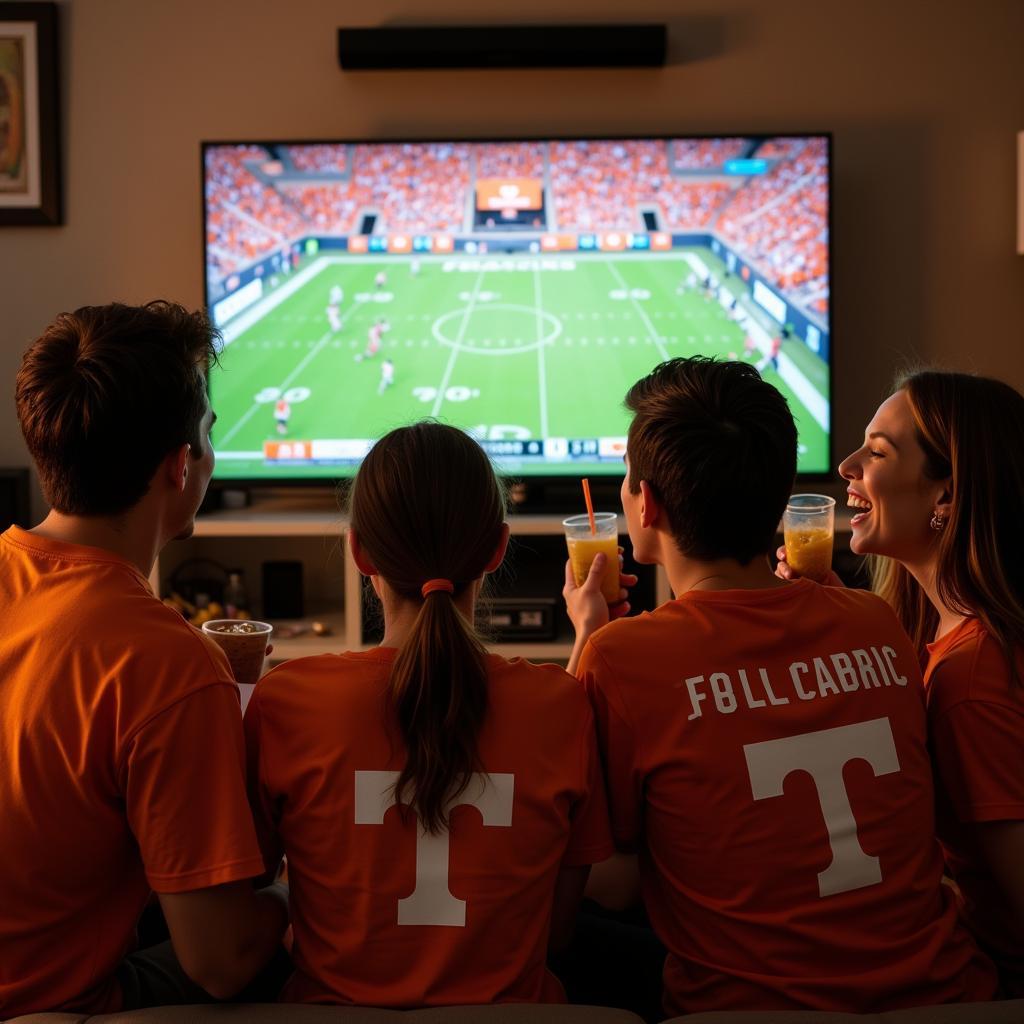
pixel 976 724
pixel 121 769
pixel 383 915
pixel 765 752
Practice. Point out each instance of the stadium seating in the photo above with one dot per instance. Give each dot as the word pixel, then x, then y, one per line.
pixel 510 160
pixel 414 186
pixel 246 218
pixel 778 221
pixel 317 159
pixel 598 186
pixel 705 154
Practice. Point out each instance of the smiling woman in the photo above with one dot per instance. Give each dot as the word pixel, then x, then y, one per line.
pixel 939 489
pixel 896 489
pixel 939 485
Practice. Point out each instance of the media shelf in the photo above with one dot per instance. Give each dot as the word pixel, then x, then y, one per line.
pixel 292 519
pixel 314 532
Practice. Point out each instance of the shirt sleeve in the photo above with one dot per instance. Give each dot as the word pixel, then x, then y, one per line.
pixel 617 748
pixel 265 809
pixel 184 785
pixel 978 749
pixel 590 840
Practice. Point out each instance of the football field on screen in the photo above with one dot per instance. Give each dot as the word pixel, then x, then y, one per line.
pixel 508 347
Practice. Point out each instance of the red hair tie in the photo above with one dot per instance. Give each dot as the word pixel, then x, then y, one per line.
pixel 431 585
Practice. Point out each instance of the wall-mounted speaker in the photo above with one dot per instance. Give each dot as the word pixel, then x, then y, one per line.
pixel 493 46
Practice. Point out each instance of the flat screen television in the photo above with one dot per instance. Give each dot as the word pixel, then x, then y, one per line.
pixel 512 288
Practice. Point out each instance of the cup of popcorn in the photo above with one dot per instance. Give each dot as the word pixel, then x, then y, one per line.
pixel 244 642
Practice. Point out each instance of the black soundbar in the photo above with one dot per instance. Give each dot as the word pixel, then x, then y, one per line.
pixel 490 46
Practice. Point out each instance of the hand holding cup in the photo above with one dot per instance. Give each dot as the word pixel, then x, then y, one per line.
pixel 809 528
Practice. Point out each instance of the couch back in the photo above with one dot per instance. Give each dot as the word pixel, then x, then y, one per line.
pixel 1006 1012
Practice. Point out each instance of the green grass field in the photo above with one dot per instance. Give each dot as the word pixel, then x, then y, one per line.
pixel 528 352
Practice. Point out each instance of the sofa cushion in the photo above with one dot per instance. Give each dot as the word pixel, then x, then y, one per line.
pixel 270 1013
pixel 1005 1012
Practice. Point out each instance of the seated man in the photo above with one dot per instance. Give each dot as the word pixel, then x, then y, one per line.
pixel 764 741
pixel 122 765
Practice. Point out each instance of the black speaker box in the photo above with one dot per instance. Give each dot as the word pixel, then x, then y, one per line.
pixel 14 498
pixel 496 46
pixel 282 590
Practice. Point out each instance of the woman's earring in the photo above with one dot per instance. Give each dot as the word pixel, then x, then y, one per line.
pixel 937 522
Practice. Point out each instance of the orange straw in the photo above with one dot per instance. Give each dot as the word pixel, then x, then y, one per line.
pixel 590 506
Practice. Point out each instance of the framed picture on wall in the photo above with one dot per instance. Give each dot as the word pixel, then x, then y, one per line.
pixel 29 130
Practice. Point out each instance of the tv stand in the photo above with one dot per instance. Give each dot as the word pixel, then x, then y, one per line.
pixel 309 526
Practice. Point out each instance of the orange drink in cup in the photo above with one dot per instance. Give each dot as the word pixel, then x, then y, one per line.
pixel 809 526
pixel 584 545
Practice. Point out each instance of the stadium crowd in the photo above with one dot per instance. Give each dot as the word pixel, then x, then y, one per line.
pixel 778 220
pixel 321 158
pixel 510 160
pixel 705 154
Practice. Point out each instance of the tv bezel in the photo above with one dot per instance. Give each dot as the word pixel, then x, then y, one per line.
pixel 552 482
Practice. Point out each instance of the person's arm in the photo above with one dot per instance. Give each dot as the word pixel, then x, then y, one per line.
pixel 264 808
pixel 569 886
pixel 223 935
pixel 587 608
pixel 1002 845
pixel 615 883
pixel 184 786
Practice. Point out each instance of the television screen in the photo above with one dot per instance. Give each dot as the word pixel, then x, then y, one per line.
pixel 515 289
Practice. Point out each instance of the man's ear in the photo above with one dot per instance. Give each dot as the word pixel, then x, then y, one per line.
pixel 650 508
pixel 499 552
pixel 176 466
pixel 363 564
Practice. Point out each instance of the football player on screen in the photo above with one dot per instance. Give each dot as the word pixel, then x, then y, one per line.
pixel 372 342
pixel 334 301
pixel 282 413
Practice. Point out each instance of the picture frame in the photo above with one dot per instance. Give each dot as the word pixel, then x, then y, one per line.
pixel 30 187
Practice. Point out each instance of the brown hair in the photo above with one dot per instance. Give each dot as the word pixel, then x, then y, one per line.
pixel 717 445
pixel 971 430
pixel 426 505
pixel 105 393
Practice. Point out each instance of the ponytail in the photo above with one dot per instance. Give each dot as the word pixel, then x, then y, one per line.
pixel 438 692
pixel 428 511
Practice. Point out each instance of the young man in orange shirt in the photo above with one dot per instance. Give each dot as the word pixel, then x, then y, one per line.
pixel 764 741
pixel 122 766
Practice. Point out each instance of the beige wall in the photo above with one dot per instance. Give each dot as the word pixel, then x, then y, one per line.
pixel 924 96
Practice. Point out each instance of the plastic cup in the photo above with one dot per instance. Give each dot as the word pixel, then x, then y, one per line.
pixel 245 648
pixel 584 546
pixel 809 526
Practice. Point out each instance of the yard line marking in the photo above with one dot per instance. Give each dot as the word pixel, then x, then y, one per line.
pixel 313 352
pixel 241 323
pixel 310 356
pixel 458 342
pixel 655 337
pixel 541 367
